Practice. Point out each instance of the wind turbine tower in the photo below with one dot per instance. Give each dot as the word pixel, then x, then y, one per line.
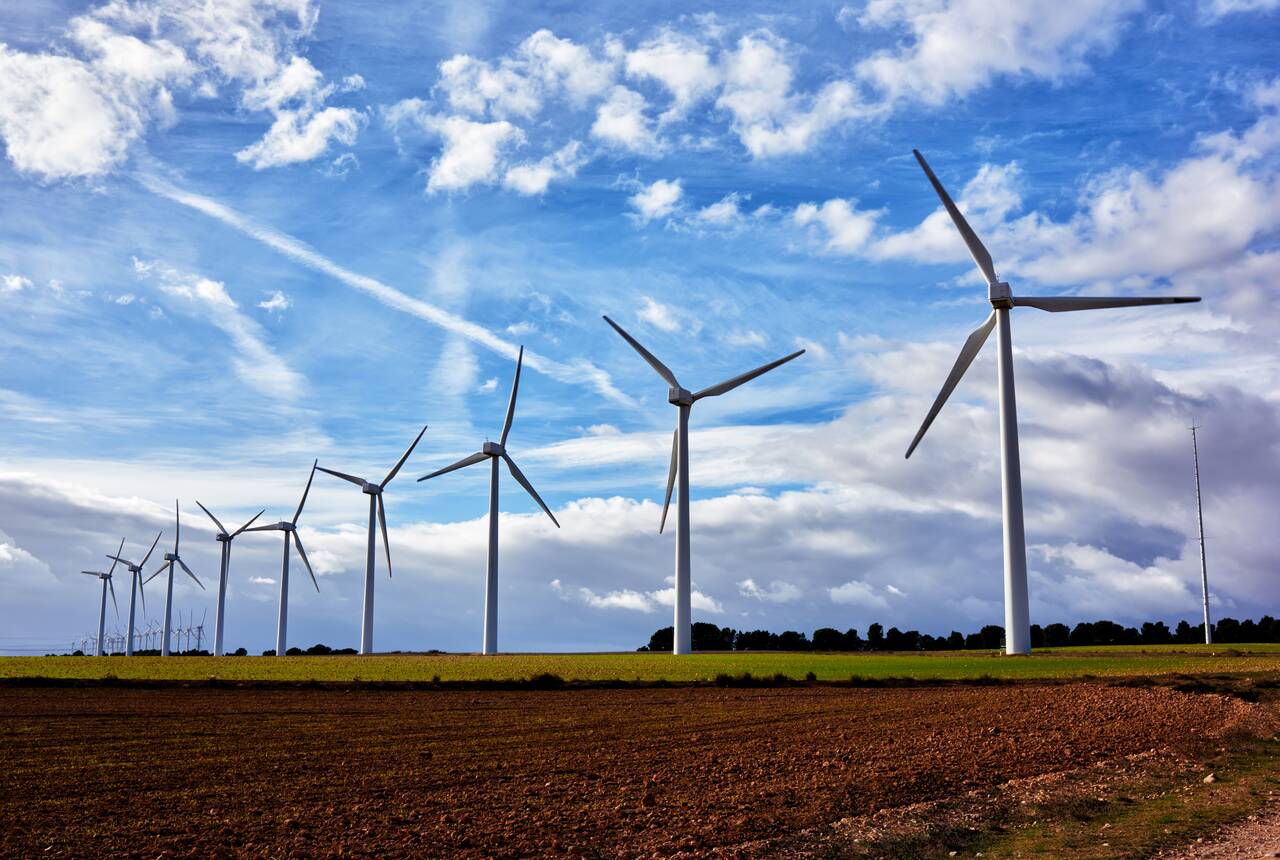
pixel 290 530
pixel 495 452
pixel 102 609
pixel 224 568
pixel 1017 615
pixel 683 399
pixel 135 586
pixel 172 559
pixel 377 508
pixel 1204 567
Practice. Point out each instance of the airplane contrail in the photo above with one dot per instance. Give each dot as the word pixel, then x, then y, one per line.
pixel 577 372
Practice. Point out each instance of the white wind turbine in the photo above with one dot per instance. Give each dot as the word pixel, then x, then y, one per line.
pixel 172 559
pixel 135 586
pixel 224 567
pixel 1017 616
pixel 376 508
pixel 682 640
pixel 290 529
pixel 102 610
pixel 494 452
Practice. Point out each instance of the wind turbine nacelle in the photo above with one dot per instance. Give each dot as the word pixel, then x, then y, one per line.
pixel 680 396
pixel 493 449
pixel 223 536
pixel 286 526
pixel 370 489
pixel 1000 294
pixel 168 556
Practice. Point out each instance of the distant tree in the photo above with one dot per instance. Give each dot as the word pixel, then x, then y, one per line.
pixel 1037 636
pixel 1226 630
pixel 828 639
pixel 270 652
pixel 1057 636
pixel 852 641
pixel 77 653
pixel 709 637
pixel 992 636
pixel 240 652
pixel 318 648
pixel 1156 633
pixel 1082 634
pixel 1184 634
pixel 875 637
pixel 662 639
pixel 955 641
pixel 293 652
pixel 793 640
pixel 973 642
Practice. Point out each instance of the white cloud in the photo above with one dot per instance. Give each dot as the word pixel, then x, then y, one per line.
pixel 681 64
pixel 1218 8
pixel 14 283
pixel 521 329
pixel 746 337
pixel 262 580
pixel 257 365
pixel 723 213
pixel 472 152
pixel 778 591
pixel 533 178
pixel 855 592
pixel 957 46
pixel 847 229
pixel 489 386
pixel 658 315
pixel 276 302
pixel 301 136
pixel 656 200
pixel 620 120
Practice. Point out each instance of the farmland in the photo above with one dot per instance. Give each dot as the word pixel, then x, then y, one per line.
pixel 950 665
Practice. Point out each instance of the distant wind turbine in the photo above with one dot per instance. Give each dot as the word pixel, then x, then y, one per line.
pixel 376 508
pixel 172 559
pixel 102 609
pixel 681 398
pixel 290 529
pixel 1017 617
pixel 135 586
pixel 1204 565
pixel 494 452
pixel 224 568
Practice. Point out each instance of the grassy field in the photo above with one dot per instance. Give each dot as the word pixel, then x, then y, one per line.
pixel 957 665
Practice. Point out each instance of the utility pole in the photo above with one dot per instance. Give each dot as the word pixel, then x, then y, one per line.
pixel 1204 568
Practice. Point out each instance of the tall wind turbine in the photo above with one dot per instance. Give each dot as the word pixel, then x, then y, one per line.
pixel 290 529
pixel 681 398
pixel 224 567
pixel 1017 620
pixel 376 508
pixel 494 452
pixel 1204 568
pixel 102 609
pixel 135 586
pixel 172 559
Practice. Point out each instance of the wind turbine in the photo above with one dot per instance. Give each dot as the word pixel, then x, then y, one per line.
pixel 376 507
pixel 290 529
pixel 172 559
pixel 135 586
pixel 1204 566
pixel 1017 617
pixel 224 567
pixel 494 452
pixel 681 398
pixel 102 610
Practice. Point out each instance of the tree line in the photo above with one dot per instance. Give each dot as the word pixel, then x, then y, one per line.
pixel 709 637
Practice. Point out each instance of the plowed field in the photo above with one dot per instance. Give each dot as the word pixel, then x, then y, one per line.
pixel 628 772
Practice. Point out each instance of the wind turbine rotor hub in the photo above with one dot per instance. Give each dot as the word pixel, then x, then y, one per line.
pixel 370 489
pixel 679 396
pixel 168 556
pixel 286 527
pixel 223 536
pixel 1000 294
pixel 493 449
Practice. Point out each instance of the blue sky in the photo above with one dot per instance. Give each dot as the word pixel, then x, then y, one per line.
pixel 235 242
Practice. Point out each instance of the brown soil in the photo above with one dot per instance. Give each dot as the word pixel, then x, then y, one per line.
pixel 207 772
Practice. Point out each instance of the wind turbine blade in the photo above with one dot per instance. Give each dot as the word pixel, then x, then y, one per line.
pixel 270 527
pixel 221 528
pixel 251 522
pixel 177 526
pixel 663 370
pixel 142 594
pixel 302 553
pixel 310 478
pixel 352 478
pixel 153 549
pixel 671 478
pixel 96 573
pixel 730 384
pixel 1058 304
pixel 183 565
pixel 511 404
pixel 972 346
pixel 395 471
pixel 111 586
pixel 524 482
pixel 158 572
pixel 976 250
pixel 382 521
pixel 463 463
pixel 116 558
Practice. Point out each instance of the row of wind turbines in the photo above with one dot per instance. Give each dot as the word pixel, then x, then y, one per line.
pixel 147 637
pixel 1017 613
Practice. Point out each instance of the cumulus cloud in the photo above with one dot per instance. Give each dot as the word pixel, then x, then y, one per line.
pixel 778 591
pixel 77 111
pixel 846 229
pixel 658 315
pixel 14 283
pixel 620 120
pixel 472 151
pixel 276 302
pixel 656 200
pixel 534 177
pixel 855 592
pixel 680 64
